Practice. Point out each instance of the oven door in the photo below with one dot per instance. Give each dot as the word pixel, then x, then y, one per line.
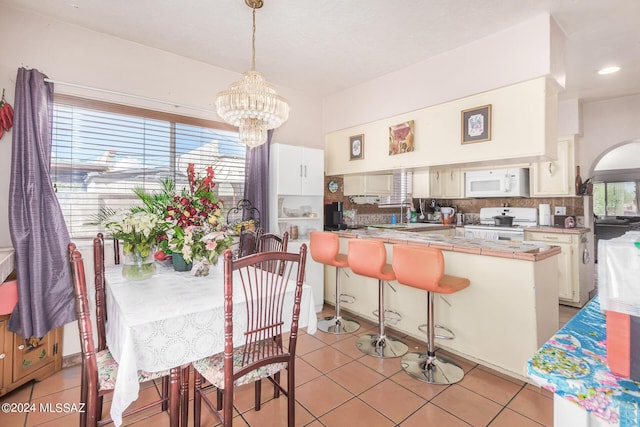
pixel 493 233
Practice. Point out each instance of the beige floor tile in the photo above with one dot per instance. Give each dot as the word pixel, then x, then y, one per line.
pixel 509 418
pixel 305 372
pixel 387 367
pixel 490 386
pixel 63 421
pixel 355 413
pixel 61 380
pixel 274 414
pixel 348 347
pixel 327 359
pixel 467 405
pixel 321 396
pixel 533 405
pixel 465 364
pixel 431 415
pixel 307 344
pixel 501 375
pixel 425 390
pixel 356 377
pixel 392 400
pixel 540 390
pixel 69 397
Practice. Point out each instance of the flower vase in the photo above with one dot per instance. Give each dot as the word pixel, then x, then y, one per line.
pixel 200 267
pixel 139 264
pixel 179 264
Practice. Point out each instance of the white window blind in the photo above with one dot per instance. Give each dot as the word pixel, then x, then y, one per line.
pixel 402 188
pixel 102 151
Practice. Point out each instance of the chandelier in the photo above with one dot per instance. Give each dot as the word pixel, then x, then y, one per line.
pixel 252 104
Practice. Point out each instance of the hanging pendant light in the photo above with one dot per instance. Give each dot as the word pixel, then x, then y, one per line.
pixel 252 104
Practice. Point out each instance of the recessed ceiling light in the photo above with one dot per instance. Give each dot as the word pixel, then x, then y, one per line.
pixel 608 70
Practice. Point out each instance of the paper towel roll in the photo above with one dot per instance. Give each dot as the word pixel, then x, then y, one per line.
pixel 544 214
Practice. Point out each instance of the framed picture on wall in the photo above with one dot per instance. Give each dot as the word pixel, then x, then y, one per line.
pixel 401 138
pixel 476 124
pixel 356 147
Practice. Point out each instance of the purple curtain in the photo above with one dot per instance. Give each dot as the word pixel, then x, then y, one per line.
pixel 256 180
pixel 38 231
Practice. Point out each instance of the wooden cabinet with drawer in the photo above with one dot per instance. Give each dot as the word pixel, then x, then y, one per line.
pixel 23 360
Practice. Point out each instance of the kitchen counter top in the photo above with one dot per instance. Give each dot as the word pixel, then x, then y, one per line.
pixel 7 262
pixel 495 248
pixel 559 230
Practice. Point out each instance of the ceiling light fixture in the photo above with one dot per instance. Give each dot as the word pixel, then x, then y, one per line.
pixel 252 104
pixel 608 70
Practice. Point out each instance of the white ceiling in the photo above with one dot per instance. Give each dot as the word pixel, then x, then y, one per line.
pixel 326 46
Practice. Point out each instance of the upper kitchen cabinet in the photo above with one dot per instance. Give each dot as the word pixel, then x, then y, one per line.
pixel 299 170
pixel 555 177
pixel 366 185
pixel 421 184
pixel 446 183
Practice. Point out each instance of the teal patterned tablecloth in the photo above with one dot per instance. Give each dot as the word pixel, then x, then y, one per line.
pixel 573 365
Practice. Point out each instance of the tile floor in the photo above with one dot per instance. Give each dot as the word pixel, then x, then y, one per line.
pixel 336 386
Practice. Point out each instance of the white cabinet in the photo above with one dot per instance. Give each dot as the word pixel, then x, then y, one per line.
pixel 446 183
pixel 298 170
pixel 555 178
pixel 574 264
pixel 296 199
pixel 421 182
pixel 361 185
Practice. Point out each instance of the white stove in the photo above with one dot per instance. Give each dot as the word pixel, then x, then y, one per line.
pixel 522 218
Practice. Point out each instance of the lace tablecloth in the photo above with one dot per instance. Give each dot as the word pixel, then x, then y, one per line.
pixel 573 365
pixel 170 320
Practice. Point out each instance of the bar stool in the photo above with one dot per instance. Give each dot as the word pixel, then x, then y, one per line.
pixel 369 258
pixel 325 247
pixel 423 268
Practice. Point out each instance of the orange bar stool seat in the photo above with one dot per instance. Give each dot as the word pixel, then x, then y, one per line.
pixel 369 258
pixel 325 248
pixel 423 268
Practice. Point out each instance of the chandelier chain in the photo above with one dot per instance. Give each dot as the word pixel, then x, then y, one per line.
pixel 253 42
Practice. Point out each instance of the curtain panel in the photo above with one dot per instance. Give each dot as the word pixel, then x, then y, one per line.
pixel 256 182
pixel 38 231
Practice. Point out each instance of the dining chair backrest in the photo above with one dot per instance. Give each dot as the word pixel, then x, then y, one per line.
pixel 270 242
pixel 89 374
pixel 248 242
pixel 264 303
pixel 99 281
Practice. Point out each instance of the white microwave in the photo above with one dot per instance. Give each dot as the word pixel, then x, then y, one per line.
pixel 497 183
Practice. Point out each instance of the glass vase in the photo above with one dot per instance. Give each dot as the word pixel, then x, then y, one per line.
pixel 135 266
pixel 179 264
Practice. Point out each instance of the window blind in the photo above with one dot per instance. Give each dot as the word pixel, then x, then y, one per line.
pixel 402 187
pixel 102 151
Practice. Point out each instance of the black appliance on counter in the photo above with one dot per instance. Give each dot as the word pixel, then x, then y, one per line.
pixel 333 217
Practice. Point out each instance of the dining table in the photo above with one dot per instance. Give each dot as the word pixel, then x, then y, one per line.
pixel 172 319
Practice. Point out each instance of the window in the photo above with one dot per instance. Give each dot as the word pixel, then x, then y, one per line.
pixel 616 199
pixel 101 151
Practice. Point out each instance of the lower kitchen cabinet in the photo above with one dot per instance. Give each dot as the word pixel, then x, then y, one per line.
pixel 23 360
pixel 574 264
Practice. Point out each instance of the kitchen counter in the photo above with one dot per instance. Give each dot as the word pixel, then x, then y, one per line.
pixel 509 310
pixel 559 230
pixel 495 248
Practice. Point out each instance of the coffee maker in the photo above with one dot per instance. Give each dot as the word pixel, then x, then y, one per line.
pixel 333 216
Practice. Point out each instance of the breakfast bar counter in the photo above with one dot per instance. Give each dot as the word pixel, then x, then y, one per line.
pixel 509 310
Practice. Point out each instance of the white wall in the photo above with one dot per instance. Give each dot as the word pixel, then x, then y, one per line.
pixel 71 54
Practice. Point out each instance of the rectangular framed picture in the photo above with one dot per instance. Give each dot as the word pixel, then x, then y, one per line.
pixel 401 138
pixel 476 124
pixel 356 147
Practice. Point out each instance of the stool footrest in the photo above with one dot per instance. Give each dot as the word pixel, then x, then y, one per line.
pixel 338 326
pixel 423 328
pixel 390 316
pixel 382 346
pixel 347 299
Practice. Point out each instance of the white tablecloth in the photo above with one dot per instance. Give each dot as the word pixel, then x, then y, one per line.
pixel 170 320
pixel 618 273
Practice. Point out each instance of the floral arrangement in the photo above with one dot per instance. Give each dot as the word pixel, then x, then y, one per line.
pixel 138 229
pixel 198 231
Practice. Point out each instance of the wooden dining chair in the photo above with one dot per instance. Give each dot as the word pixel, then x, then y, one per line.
pixel 248 242
pixel 99 368
pixel 270 242
pixel 261 355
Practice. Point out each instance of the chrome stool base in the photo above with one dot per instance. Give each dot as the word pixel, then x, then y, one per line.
pixel 381 346
pixel 438 370
pixel 338 326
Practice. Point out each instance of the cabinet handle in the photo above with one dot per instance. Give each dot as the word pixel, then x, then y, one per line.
pixel 585 255
pixel 21 347
pixel 550 171
pixel 305 171
pixel 2 356
pixel 301 171
pixel 438 175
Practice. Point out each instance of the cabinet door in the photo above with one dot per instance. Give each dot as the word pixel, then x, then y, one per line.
pixel 3 356
pixel 435 186
pixel 421 184
pixel 378 184
pixel 312 172
pixel 451 183
pixel 353 185
pixel 289 169
pixel 29 357
pixel 565 272
pixel 555 178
